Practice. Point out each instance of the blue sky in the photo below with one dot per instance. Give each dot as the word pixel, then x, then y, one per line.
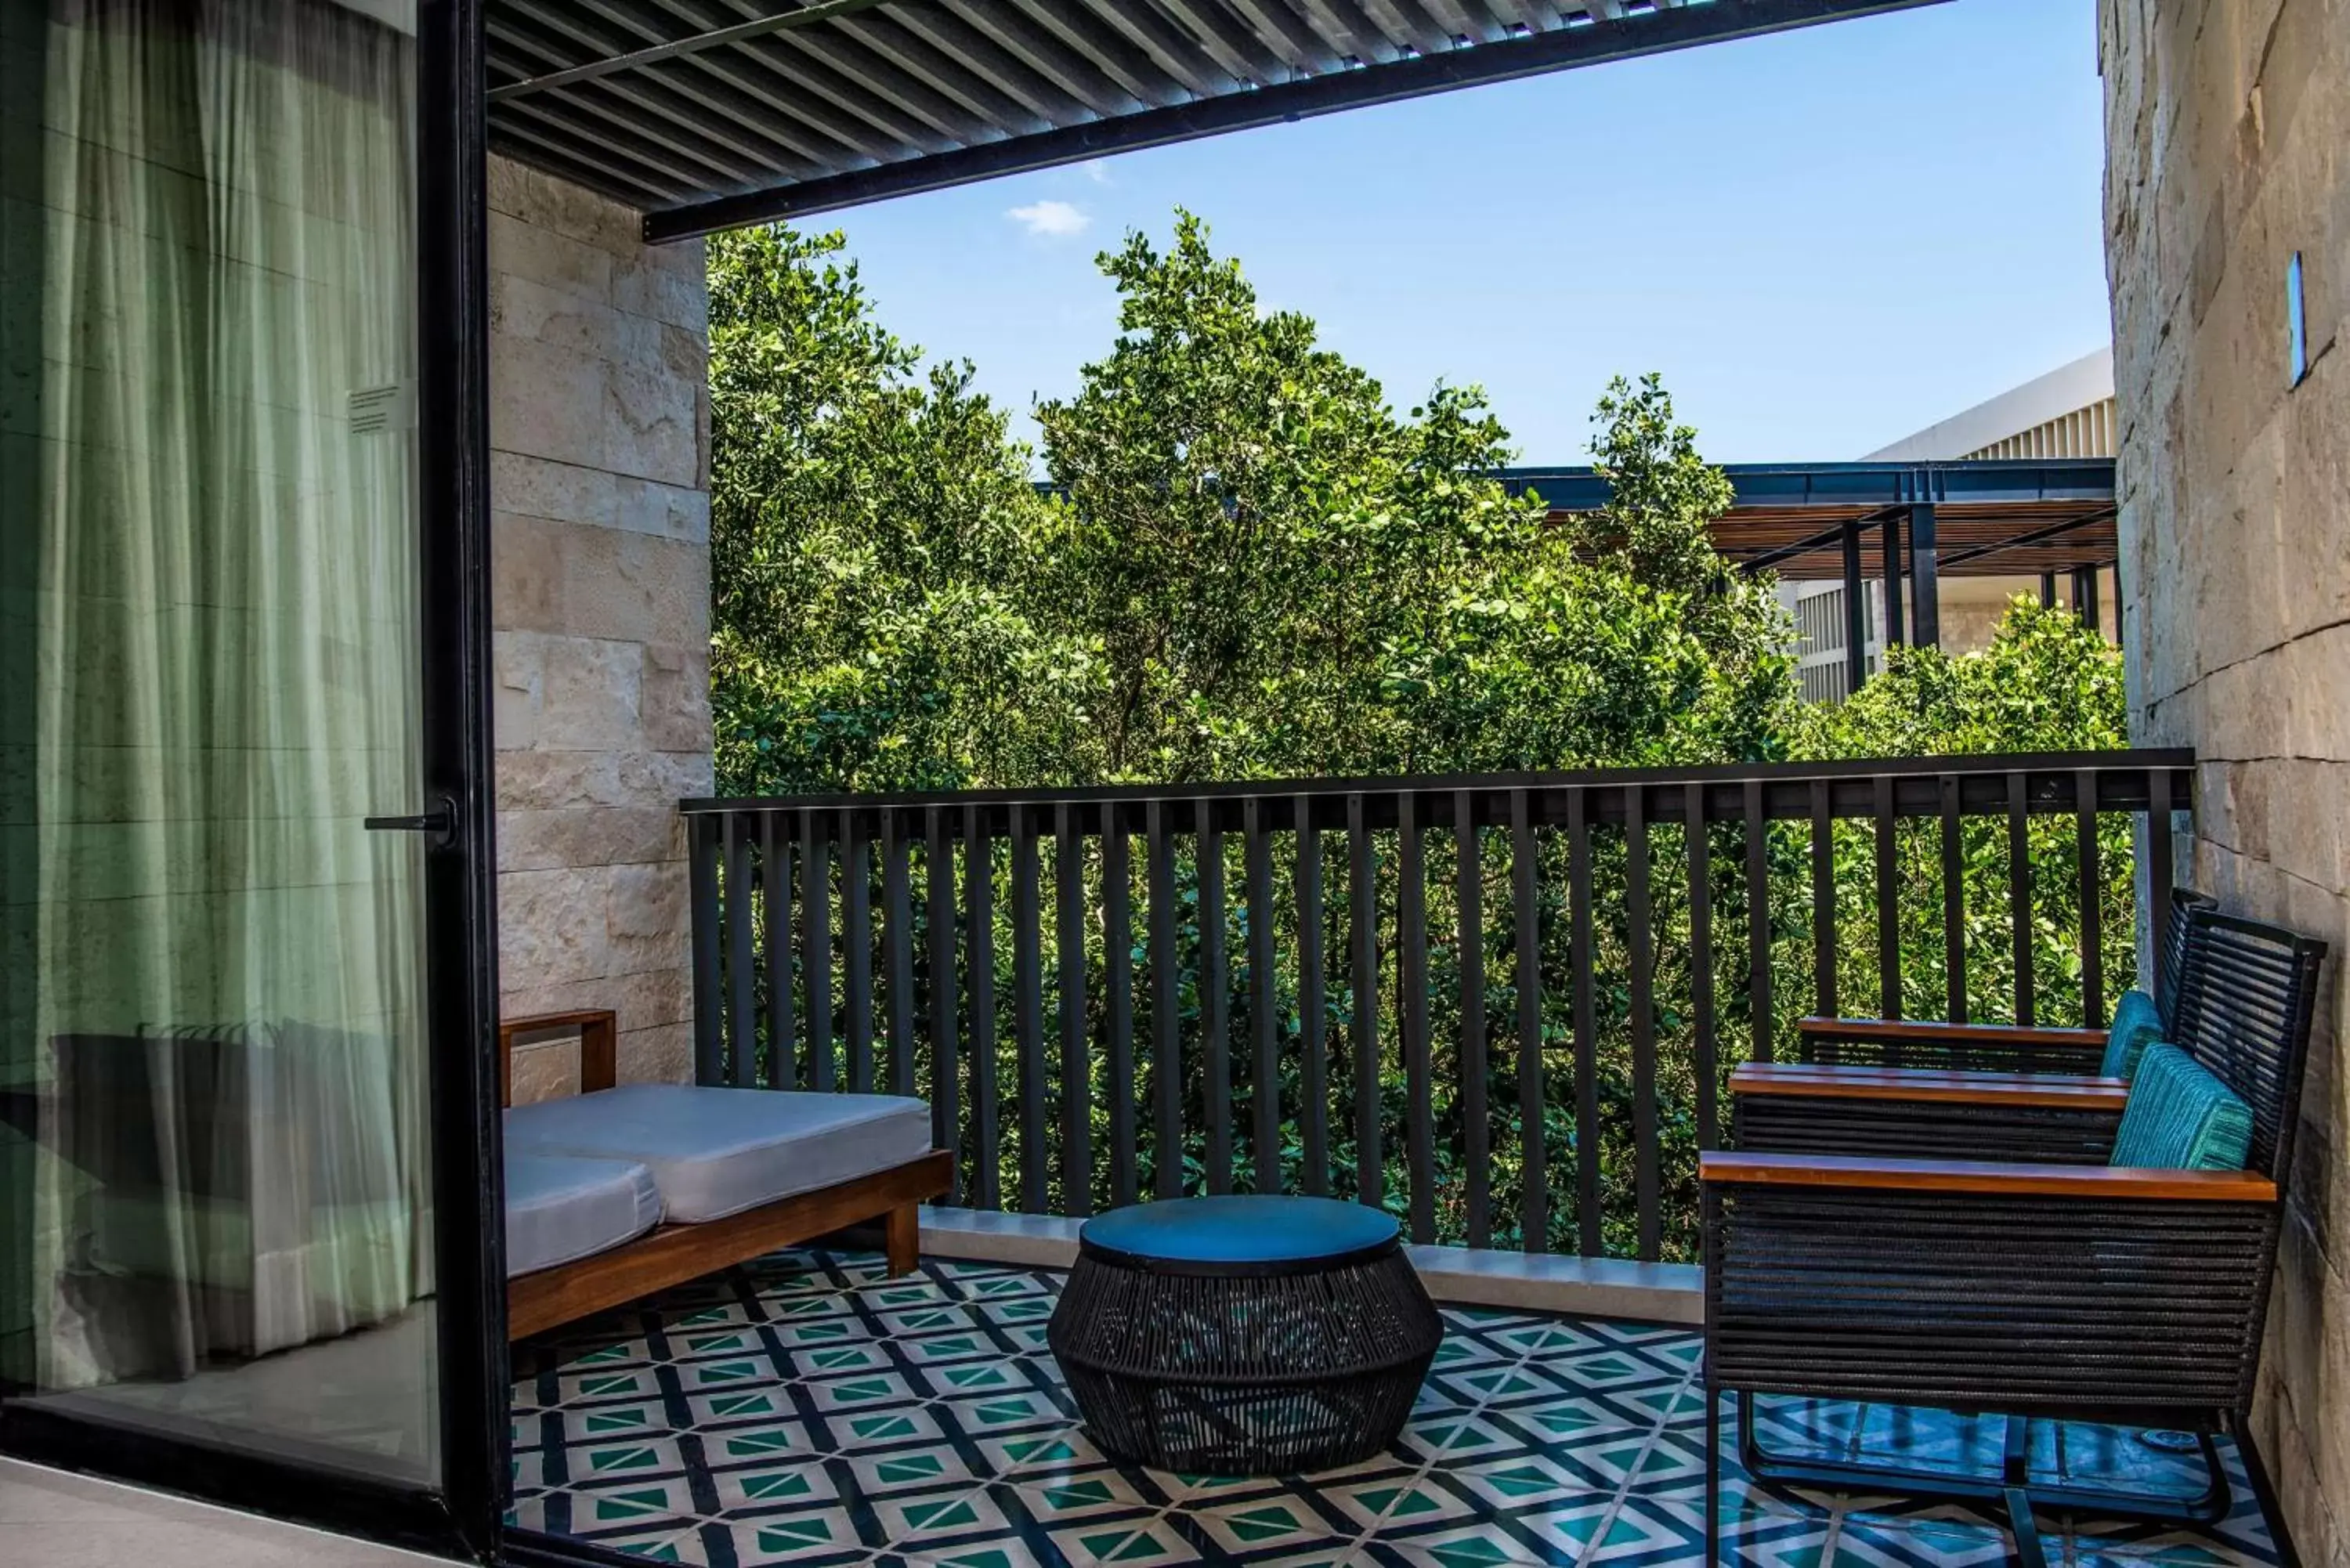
pixel 1824 239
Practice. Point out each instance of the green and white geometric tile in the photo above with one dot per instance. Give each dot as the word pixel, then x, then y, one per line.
pixel 1097 1494
pixel 806 1410
pixel 795 1486
pixel 612 1423
pixel 819 1539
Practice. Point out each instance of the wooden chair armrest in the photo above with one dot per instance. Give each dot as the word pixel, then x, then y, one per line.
pixel 2091 1182
pixel 1947 1086
pixel 600 1046
pixel 1931 1030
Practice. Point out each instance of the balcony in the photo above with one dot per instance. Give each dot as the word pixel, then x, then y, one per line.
pixel 1113 996
pixel 1505 1011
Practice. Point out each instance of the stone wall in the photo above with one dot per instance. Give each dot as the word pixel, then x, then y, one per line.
pixel 599 489
pixel 2228 149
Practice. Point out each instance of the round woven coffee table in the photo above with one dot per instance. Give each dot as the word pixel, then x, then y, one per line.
pixel 1244 1336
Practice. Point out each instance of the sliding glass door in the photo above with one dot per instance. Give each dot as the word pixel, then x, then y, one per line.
pixel 238 853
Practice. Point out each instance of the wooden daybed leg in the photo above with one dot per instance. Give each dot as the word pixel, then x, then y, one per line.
pixel 902 1234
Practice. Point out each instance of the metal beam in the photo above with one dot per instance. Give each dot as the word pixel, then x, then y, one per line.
pixel 1856 613
pixel 1892 527
pixel 1870 485
pixel 2085 598
pixel 1645 33
pixel 1925 580
pixel 758 26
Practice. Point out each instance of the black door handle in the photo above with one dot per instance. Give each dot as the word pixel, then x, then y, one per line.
pixel 440 823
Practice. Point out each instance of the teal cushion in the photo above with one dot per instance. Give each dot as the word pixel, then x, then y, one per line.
pixel 2137 1025
pixel 2180 1117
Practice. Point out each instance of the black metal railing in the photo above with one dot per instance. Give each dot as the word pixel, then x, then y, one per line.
pixel 1514 1036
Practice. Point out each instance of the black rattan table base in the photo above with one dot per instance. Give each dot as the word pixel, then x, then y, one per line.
pixel 1245 1373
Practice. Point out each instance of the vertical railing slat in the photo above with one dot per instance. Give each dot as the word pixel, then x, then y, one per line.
pixel 1216 1001
pixel 857 932
pixel 741 977
pixel 816 945
pixel 946 1072
pixel 1823 921
pixel 2158 871
pixel 1589 1238
pixel 1954 904
pixel 702 887
pixel 1077 1070
pixel 2093 887
pixel 1758 922
pixel 1469 896
pixel 1889 906
pixel 1533 1095
pixel 897 948
pixel 1363 938
pixel 1118 985
pixel 1700 896
pixel 775 943
pixel 1265 1020
pixel 1419 1087
pixel 1648 1182
pixel 2018 895
pixel 1028 1008
pixel 1166 1018
pixel 979 984
pixel 1313 1008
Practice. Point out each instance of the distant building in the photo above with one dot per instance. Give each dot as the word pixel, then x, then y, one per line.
pixel 2069 412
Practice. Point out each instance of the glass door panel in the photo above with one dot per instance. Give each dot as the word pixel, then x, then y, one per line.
pixel 213 1093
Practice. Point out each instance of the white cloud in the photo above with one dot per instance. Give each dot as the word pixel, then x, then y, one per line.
pixel 1052 220
pixel 1096 170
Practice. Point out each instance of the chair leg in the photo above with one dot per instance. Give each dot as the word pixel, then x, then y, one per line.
pixel 2013 1490
pixel 1712 1477
pixel 903 1237
pixel 2025 1530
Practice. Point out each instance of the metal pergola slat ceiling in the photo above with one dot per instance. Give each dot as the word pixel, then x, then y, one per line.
pixel 710 114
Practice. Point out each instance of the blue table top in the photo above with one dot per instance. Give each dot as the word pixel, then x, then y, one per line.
pixel 1241 1229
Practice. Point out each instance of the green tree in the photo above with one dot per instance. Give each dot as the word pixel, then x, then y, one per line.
pixel 872 531
pixel 1250 567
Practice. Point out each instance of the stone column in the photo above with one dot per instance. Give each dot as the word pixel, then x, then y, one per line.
pixel 2226 122
pixel 600 483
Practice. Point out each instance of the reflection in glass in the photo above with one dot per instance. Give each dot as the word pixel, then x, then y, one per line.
pixel 212 1122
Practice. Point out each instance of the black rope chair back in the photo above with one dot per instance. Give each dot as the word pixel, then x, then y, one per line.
pixel 2177 953
pixel 2246 994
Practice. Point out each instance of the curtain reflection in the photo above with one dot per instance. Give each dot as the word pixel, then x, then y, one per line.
pixel 218 1093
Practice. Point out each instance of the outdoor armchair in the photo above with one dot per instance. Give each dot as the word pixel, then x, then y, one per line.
pixel 2045 1285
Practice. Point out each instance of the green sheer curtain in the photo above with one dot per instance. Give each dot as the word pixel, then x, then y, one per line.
pixel 226 1054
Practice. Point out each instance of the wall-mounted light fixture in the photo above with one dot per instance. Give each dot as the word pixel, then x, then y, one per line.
pixel 2296 325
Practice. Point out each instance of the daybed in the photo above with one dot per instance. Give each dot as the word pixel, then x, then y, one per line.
pixel 620 1191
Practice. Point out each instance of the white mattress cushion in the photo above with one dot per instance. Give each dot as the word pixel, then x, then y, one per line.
pixel 561 1207
pixel 718 1151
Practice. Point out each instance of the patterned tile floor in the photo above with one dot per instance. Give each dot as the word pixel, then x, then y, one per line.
pixel 806 1410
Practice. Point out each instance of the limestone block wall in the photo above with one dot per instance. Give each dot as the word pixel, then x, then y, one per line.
pixel 2228 149
pixel 600 489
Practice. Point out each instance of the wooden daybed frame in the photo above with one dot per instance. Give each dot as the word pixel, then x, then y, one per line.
pixel 672 1253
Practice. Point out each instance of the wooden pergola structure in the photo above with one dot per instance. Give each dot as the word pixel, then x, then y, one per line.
pixel 1923 522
